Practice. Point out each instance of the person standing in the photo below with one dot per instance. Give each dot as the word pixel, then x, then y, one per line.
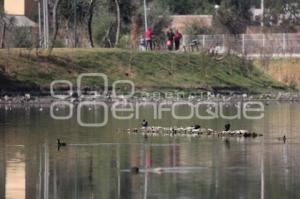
pixel 177 39
pixel 142 44
pixel 149 38
pixel 170 39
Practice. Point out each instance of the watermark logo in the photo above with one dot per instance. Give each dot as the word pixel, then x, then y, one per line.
pixel 127 106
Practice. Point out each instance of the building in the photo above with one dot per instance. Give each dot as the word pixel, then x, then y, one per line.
pixel 28 8
pixel 19 28
pixel 23 12
pixel 14 7
pixel 256 14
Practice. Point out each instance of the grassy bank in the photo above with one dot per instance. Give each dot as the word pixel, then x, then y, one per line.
pixel 21 69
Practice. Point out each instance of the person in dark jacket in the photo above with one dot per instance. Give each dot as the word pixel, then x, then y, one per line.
pixel 177 39
pixel 170 39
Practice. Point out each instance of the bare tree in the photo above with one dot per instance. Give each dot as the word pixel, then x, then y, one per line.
pixel 55 22
pixel 7 24
pixel 3 28
pixel 106 39
pixel 118 22
pixel 135 30
pixel 90 21
pixel 3 31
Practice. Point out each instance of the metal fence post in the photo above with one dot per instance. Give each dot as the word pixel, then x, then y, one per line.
pixel 283 42
pixel 263 40
pixel 223 36
pixel 243 43
pixel 203 41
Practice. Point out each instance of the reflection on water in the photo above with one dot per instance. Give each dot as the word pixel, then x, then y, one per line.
pixel 97 161
pixel 15 173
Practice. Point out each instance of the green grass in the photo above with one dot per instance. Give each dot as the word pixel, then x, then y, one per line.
pixel 150 70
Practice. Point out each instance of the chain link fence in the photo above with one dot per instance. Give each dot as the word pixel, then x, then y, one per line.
pixel 285 44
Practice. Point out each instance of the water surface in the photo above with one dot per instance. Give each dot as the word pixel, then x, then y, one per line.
pixel 96 162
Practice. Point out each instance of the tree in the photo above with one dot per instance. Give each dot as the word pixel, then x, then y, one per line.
pixel 7 24
pixel 282 14
pixel 158 20
pixel 137 23
pixel 90 21
pixel 55 22
pixel 118 22
pixel 233 16
pixel 2 24
pixel 188 6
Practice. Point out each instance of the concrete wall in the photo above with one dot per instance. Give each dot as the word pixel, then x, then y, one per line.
pixel 180 22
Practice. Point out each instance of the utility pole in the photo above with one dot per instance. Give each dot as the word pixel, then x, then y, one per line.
pixel 40 24
pixel 46 24
pixel 145 14
pixel 75 24
pixel 262 12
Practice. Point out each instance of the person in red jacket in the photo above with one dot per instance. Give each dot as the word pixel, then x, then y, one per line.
pixel 177 39
pixel 149 38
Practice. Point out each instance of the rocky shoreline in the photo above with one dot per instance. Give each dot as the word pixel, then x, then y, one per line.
pixel 40 98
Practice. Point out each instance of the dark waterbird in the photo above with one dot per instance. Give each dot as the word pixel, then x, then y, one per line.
pixel 197 126
pixel 174 131
pixel 282 139
pixel 60 144
pixel 145 124
pixel 227 127
pixel 135 170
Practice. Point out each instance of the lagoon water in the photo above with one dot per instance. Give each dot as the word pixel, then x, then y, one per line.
pixel 96 161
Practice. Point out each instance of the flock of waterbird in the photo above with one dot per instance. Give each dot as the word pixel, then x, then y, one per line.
pixel 193 131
